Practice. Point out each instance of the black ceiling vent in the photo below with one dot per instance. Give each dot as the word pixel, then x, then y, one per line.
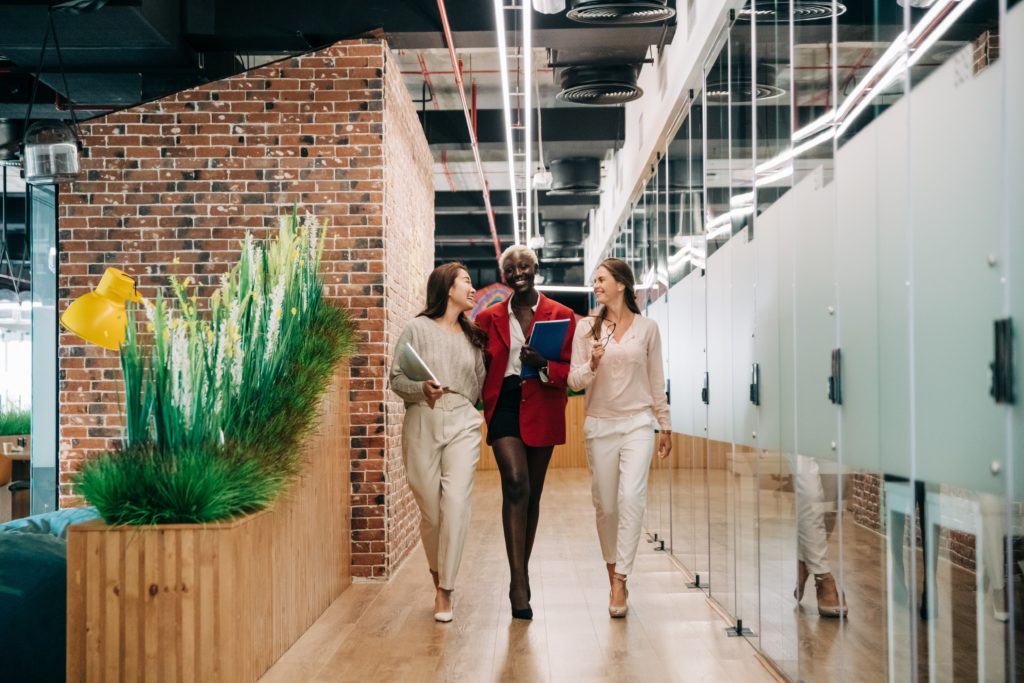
pixel 774 12
pixel 563 234
pixel 599 84
pixel 620 11
pixel 740 91
pixel 576 175
pixel 740 87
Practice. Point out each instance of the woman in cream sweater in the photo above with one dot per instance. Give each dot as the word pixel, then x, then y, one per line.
pixel 616 357
pixel 441 431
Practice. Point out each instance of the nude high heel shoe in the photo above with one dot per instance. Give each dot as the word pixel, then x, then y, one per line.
pixel 618 611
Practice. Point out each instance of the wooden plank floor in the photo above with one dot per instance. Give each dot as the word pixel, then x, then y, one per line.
pixel 386 632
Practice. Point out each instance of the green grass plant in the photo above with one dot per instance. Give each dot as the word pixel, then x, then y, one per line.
pixel 15 421
pixel 217 398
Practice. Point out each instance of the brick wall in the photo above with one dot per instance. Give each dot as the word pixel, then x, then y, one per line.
pixel 409 251
pixel 171 187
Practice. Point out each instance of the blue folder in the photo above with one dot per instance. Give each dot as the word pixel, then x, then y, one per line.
pixel 548 337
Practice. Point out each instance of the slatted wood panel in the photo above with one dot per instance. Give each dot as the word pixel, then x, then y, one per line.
pixel 215 602
pixel 570 454
pixel 690 450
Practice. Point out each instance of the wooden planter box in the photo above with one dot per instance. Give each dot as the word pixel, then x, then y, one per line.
pixel 214 602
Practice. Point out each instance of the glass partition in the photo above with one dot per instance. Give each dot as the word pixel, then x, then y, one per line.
pixel 838 213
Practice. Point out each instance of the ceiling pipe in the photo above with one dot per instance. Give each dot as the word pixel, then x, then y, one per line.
pixel 447 171
pixel 426 79
pixel 469 126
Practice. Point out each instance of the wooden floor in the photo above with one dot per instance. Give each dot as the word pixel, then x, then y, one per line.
pixel 386 632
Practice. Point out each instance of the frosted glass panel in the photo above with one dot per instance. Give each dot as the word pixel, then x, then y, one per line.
pixel 858 244
pixel 720 338
pixel 681 370
pixel 959 429
pixel 744 414
pixel 814 296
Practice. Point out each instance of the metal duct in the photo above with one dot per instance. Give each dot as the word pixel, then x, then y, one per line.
pixel 774 12
pixel 563 234
pixel 575 175
pixel 620 11
pixel 605 84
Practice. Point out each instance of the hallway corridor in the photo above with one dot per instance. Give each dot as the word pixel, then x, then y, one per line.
pixel 385 632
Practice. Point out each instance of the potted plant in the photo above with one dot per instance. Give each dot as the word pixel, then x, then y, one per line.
pixel 224 514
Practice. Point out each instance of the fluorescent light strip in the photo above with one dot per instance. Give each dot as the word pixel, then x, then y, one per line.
pixel 782 173
pixel 526 63
pixel 905 51
pixel 789 154
pixel 506 100
pixel 814 126
pixel 933 36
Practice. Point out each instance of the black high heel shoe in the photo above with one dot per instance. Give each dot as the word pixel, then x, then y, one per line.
pixel 521 613
pixel 525 613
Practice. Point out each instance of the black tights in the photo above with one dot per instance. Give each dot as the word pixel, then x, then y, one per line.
pixel 522 471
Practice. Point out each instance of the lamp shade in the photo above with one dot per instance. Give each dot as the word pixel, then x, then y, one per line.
pixel 51 153
pixel 99 317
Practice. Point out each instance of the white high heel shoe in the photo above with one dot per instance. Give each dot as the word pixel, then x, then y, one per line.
pixel 446 616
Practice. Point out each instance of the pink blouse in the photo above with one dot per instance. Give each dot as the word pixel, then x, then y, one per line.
pixel 630 378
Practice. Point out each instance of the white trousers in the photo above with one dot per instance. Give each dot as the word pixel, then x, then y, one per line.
pixel 811 506
pixel 619 451
pixel 440 448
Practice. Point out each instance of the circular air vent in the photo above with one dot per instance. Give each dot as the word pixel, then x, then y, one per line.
pixel 620 11
pixel 562 234
pixel 576 175
pixel 741 91
pixel 773 12
pixel 599 85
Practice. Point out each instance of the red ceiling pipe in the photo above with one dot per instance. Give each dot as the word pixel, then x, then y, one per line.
pixel 447 171
pixel 426 79
pixel 469 124
pixel 473 91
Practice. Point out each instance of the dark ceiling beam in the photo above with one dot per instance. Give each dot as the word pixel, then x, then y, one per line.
pixel 579 36
pixel 242 25
pixel 563 124
pixel 452 202
pixel 472 224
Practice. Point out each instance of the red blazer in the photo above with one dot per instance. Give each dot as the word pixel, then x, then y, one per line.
pixel 542 412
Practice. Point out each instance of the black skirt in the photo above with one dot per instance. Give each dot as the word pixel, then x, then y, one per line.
pixel 505 420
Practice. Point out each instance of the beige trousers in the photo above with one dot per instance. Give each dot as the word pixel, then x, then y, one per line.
pixel 440 448
pixel 619 451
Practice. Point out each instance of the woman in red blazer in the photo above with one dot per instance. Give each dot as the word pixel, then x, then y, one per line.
pixel 525 418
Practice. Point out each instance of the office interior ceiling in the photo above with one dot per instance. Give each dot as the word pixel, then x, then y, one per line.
pixel 129 52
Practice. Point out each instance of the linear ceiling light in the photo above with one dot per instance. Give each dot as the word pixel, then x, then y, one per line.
pixel 506 101
pixel 904 52
pixel 526 62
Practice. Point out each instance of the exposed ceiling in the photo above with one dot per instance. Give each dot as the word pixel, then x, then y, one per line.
pixel 129 51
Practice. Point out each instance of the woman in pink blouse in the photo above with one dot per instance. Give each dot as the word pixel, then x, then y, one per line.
pixel 616 357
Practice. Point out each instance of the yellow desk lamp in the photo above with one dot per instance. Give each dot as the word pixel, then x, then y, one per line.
pixel 99 317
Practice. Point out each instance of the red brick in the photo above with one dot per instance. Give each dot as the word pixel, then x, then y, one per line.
pixel 185 176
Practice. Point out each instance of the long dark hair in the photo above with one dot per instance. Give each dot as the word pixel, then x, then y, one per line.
pixel 621 273
pixel 439 284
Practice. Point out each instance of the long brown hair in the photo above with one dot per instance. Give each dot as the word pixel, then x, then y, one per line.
pixel 623 274
pixel 440 282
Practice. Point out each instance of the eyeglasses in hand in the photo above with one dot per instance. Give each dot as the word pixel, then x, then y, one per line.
pixel 606 338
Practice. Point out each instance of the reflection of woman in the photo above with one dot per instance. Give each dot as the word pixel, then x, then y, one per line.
pixel 616 356
pixel 525 418
pixel 441 431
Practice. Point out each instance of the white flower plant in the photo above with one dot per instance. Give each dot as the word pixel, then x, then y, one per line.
pixel 201 374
